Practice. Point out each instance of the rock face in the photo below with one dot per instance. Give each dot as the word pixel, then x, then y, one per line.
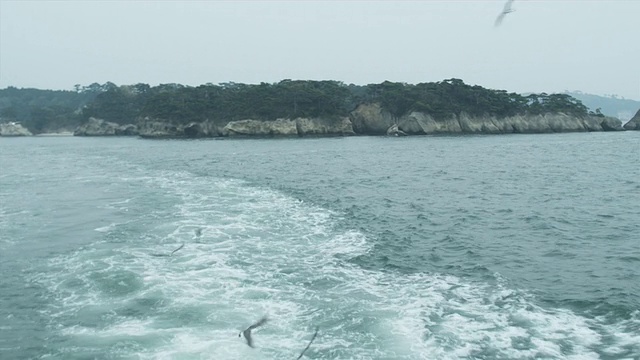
pixel 279 127
pixel 194 130
pixel 371 119
pixel 521 124
pixel 159 128
pixel 153 128
pixel 127 130
pixel 13 129
pixel 634 123
pixel 324 126
pixel 366 119
pixel 417 123
pixel 99 127
pixel 611 124
pixel 289 127
pixel 394 131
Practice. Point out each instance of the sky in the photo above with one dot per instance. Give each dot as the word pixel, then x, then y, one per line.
pixel 543 46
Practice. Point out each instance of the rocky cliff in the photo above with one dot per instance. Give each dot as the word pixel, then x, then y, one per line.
pixel 366 119
pixel 158 128
pixel 290 127
pixel 99 127
pixel 279 127
pixel 372 119
pixel 13 129
pixel 634 123
pixel 611 124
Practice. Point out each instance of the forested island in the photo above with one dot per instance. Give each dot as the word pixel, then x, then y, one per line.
pixel 294 108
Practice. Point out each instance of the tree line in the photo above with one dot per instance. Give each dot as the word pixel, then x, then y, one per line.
pixel 40 110
pixel 47 110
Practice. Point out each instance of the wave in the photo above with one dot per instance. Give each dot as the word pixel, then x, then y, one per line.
pixel 263 252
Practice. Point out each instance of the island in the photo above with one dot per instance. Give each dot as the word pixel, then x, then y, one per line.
pixel 298 108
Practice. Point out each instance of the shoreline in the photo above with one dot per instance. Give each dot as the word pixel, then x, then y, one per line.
pixel 67 133
pixel 285 137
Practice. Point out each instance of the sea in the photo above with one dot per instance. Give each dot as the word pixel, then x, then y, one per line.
pixel 427 247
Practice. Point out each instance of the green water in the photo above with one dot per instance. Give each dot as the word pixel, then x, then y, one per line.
pixel 488 247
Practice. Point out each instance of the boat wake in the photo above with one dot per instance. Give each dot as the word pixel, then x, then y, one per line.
pixel 262 252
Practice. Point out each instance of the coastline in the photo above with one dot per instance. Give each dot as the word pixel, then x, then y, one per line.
pixel 369 119
pixel 65 133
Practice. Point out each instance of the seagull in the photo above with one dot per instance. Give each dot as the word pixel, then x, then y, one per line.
pixel 307 348
pixel 507 9
pixel 165 255
pixel 181 246
pixel 247 332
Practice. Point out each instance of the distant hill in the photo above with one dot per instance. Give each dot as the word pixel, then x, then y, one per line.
pixel 623 109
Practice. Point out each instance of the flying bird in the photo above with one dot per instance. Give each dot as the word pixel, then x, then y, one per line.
pixel 161 255
pixel 181 246
pixel 247 332
pixel 507 9
pixel 307 348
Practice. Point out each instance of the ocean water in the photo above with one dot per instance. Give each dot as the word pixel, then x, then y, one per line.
pixel 471 247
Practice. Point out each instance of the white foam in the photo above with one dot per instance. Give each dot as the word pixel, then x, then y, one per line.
pixel 104 229
pixel 261 252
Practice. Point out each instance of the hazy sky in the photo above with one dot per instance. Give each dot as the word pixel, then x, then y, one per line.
pixel 544 46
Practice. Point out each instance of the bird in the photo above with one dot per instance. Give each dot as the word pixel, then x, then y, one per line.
pixel 507 9
pixel 307 348
pixel 169 255
pixel 181 246
pixel 247 332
